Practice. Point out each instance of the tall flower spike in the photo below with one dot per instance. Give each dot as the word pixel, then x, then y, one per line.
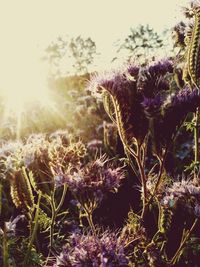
pixel 21 191
pixel 193 50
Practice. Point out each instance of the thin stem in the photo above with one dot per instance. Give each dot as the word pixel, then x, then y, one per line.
pixel 54 211
pixel 131 162
pixel 1 190
pixel 196 139
pixel 174 259
pixel 53 217
pixel 90 221
pixel 5 248
pixel 62 198
pixel 33 236
pixel 88 213
pixel 143 181
pixel 161 162
pixel 161 168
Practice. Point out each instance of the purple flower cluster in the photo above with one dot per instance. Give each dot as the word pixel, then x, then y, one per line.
pixel 42 155
pixel 174 111
pixel 152 79
pixel 94 180
pixel 152 106
pixel 53 156
pixel 106 250
pixel 10 157
pixel 137 93
pixel 185 193
pixel 186 100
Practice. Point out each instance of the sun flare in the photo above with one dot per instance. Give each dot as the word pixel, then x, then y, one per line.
pixel 22 92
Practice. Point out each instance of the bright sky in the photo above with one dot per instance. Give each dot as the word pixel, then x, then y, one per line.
pixel 27 26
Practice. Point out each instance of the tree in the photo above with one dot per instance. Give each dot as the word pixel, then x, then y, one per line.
pixel 141 42
pixel 65 55
pixel 83 51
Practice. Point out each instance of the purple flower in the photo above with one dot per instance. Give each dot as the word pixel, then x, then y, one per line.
pixel 185 193
pixel 186 100
pixel 94 180
pixel 152 79
pixel 133 70
pixel 106 250
pixel 161 68
pixel 152 106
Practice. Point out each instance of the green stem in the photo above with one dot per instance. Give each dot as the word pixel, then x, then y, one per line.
pixel 55 211
pixel 33 236
pixel 90 221
pixel 62 198
pixel 161 162
pixel 196 140
pixel 143 181
pixel 161 168
pixel 5 249
pixel 1 190
pixel 53 217
pixel 131 162
pixel 174 259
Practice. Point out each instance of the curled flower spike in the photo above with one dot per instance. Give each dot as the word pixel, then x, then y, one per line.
pixel 123 104
pixel 179 34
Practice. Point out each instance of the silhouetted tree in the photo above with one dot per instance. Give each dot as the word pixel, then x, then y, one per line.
pixel 77 52
pixel 83 51
pixel 141 42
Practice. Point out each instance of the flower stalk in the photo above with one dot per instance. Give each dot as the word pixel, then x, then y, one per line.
pixel 183 241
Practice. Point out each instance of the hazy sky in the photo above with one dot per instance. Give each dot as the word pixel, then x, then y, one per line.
pixel 29 25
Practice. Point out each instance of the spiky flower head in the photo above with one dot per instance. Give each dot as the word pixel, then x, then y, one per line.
pixel 173 111
pixel 152 106
pixel 10 158
pixel 152 78
pixel 184 193
pixel 92 181
pixel 189 12
pixel 83 250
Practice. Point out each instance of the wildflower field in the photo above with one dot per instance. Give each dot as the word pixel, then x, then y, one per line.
pixel 105 172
